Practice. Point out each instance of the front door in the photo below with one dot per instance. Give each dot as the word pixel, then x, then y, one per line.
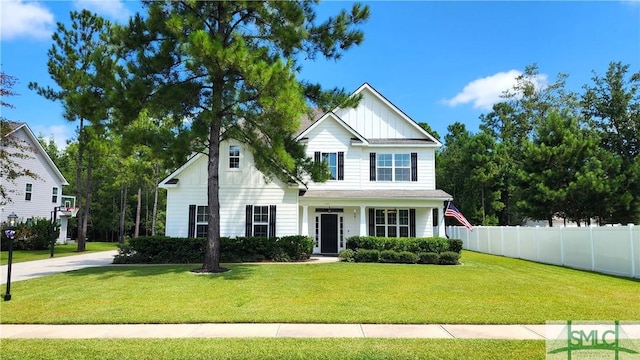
pixel 329 233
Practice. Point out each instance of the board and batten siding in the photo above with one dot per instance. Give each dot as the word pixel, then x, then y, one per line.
pixel 41 204
pixel 238 188
pixel 374 119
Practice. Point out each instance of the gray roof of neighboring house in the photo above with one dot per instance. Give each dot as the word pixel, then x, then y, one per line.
pixel 377 194
pixel 309 119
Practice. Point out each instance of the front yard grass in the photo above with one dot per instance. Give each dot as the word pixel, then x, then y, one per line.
pixel 59 250
pixel 485 290
pixel 194 349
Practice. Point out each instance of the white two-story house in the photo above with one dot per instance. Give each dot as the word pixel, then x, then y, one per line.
pixel 383 183
pixel 33 197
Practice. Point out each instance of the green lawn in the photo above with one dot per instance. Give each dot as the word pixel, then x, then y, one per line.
pixel 485 290
pixel 194 349
pixel 58 251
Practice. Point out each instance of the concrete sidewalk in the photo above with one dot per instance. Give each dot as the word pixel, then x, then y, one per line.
pixel 119 331
pixel 286 330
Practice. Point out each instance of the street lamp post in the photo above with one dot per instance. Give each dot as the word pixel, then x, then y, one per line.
pixel 11 233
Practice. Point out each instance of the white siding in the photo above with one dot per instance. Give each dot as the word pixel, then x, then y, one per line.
pixel 374 119
pixel 40 205
pixel 238 188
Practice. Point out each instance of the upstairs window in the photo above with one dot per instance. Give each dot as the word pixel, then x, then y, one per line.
pixel 54 196
pixel 331 159
pixel 27 192
pixel 234 157
pixel 393 167
pixel 334 161
pixel 385 167
pixel 402 167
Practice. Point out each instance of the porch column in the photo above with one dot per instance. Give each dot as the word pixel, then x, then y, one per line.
pixel 305 220
pixel 363 221
pixel 441 227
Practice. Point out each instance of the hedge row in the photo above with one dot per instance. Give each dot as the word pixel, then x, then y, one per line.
pixel 433 250
pixel 168 250
pixel 413 245
pixel 36 234
pixel 402 257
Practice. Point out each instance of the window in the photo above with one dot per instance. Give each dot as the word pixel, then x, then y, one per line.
pixel 27 192
pixel 385 167
pixel 260 221
pixel 54 196
pixel 332 162
pixel 403 167
pixel 317 232
pixel 393 167
pixel 202 224
pixel 392 223
pixel 234 157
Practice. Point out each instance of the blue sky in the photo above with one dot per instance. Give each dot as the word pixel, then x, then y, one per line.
pixel 440 62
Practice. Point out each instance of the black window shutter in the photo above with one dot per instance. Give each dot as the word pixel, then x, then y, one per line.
pixel 316 156
pixel 272 221
pixel 372 166
pixel 248 231
pixel 372 222
pixel 414 166
pixel 341 165
pixel 412 222
pixel 191 232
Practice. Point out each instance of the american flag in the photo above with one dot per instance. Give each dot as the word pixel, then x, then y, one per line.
pixel 453 212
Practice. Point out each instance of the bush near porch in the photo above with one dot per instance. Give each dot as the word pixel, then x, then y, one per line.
pixel 170 250
pixel 433 250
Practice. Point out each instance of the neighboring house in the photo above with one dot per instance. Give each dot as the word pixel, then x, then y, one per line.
pixel 383 183
pixel 31 198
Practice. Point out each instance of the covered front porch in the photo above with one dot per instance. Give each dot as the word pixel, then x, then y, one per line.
pixel 330 217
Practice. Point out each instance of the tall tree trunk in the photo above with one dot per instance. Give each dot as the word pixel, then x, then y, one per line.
pixel 155 202
pixel 484 214
pixel 81 236
pixel 123 202
pixel 136 232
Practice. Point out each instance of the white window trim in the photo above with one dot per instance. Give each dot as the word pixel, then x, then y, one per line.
pixel 230 168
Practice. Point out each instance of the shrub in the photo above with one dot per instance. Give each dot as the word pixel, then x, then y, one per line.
pixel 407 257
pixel 415 245
pixel 449 258
pixel 455 245
pixel 389 256
pixel 34 235
pixel 428 258
pixel 366 255
pixel 296 247
pixel 347 255
pixel 166 250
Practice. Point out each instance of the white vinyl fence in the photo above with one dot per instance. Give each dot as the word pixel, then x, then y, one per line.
pixel 608 249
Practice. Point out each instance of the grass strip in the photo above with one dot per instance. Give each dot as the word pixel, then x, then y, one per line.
pixel 260 348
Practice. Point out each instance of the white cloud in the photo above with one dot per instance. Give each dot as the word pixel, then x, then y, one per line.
pixel 485 92
pixel 60 134
pixel 20 19
pixel 113 9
